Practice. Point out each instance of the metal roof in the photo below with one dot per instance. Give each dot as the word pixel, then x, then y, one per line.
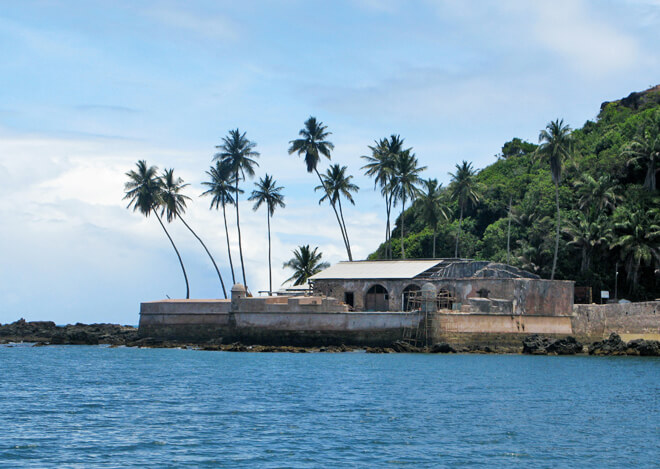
pixel 376 269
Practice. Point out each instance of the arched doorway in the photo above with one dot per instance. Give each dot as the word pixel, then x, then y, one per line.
pixel 376 299
pixel 406 295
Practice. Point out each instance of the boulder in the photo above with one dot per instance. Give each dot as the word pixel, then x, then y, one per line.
pixel 442 347
pixel 644 348
pixel 613 345
pixel 535 345
pixel 540 345
pixel 565 346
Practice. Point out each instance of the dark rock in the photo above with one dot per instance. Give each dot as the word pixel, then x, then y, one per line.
pixel 638 99
pixel 146 342
pixel 378 350
pixel 404 347
pixel 644 348
pixel 442 347
pixel 536 345
pixel 236 347
pixel 24 329
pixel 77 334
pixel 610 346
pixel 540 345
pixel 565 346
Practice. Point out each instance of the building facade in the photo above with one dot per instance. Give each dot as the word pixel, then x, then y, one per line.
pixel 467 285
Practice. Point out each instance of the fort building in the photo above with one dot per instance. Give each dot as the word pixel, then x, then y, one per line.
pixel 467 285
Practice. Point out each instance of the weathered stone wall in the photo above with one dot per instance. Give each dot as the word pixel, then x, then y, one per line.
pixel 595 322
pixel 268 321
pixel 529 296
pixel 500 324
pixel 265 321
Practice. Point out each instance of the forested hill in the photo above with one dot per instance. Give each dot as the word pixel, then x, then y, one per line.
pixel 608 200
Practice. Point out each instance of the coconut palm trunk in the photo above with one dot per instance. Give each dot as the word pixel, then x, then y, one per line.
pixel 508 233
pixel 554 260
pixel 343 222
pixel 649 180
pixel 334 208
pixel 185 276
pixel 389 227
pixel 403 224
pixel 458 235
pixel 584 265
pixel 231 264
pixel 224 290
pixel 270 268
pixel 435 234
pixel 238 227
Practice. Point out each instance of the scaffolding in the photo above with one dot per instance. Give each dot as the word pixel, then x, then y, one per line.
pixel 423 305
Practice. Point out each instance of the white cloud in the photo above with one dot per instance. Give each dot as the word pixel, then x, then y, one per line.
pixel 208 25
pixel 591 45
pixel 71 239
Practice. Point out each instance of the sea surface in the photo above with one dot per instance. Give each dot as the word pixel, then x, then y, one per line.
pixel 84 406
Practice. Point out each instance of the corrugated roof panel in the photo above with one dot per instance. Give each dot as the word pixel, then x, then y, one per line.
pixel 375 269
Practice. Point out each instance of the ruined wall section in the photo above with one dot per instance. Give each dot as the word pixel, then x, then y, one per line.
pixel 594 322
pixel 529 296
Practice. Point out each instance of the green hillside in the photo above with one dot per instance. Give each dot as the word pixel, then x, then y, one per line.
pixel 608 201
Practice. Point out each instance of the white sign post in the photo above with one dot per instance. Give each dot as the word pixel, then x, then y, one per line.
pixel 604 295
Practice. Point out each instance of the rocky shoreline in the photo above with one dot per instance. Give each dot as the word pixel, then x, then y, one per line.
pixel 42 333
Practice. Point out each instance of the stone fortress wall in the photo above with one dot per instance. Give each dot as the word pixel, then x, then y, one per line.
pixel 629 320
pixel 320 320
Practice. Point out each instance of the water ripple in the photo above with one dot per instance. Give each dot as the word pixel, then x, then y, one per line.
pixel 75 406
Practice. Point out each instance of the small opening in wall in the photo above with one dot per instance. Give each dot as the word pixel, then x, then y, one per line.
pixel 349 299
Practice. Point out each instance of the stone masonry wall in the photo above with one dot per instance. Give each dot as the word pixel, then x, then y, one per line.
pixel 593 322
pixel 530 296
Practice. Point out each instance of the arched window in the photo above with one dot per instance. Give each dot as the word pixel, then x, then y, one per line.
pixel 445 299
pixel 376 299
pixel 407 304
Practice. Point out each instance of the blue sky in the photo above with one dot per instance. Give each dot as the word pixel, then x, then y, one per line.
pixel 88 88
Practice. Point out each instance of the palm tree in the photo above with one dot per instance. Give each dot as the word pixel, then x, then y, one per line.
pixel 432 207
pixel 464 189
pixel 405 180
pixel 143 190
pixel 305 263
pixel 238 152
pixel 337 184
pixel 596 194
pixel 645 149
pixel 313 144
pixel 269 194
pixel 174 206
pixel 587 234
pixel 555 146
pixel 222 188
pixel 638 239
pixel 380 166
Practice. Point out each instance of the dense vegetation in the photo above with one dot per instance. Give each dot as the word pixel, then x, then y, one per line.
pixel 602 178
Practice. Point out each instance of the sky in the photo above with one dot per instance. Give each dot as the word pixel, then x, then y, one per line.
pixel 88 88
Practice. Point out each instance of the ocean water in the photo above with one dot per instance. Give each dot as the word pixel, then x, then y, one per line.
pixel 79 406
